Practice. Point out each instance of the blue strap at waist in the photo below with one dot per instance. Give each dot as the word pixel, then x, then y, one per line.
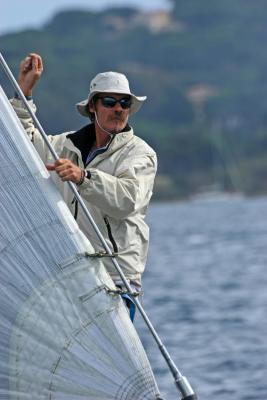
pixel 130 304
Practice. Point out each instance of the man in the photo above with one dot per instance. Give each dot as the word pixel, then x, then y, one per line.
pixel 113 169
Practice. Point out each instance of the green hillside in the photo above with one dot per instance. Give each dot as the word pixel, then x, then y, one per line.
pixel 202 66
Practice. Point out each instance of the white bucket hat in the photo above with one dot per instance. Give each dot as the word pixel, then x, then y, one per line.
pixel 110 82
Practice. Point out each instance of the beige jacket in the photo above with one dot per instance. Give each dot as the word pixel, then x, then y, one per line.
pixel 116 195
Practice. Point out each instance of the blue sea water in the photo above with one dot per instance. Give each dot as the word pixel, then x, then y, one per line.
pixel 206 294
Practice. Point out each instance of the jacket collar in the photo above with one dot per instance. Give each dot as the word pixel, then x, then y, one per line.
pixel 84 138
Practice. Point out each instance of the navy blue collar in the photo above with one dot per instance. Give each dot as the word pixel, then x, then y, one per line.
pixel 84 139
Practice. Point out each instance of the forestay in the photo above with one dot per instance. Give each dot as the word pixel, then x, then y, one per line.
pixel 62 334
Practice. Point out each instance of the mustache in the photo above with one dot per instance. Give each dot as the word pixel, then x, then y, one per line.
pixel 118 116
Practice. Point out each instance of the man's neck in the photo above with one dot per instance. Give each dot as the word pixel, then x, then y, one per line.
pixel 101 139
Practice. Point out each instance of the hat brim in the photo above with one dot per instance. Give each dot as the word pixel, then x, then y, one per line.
pixel 137 101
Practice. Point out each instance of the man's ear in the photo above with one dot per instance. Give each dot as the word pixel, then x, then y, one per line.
pixel 91 106
pixel 91 110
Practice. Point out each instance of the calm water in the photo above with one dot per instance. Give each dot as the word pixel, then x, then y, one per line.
pixel 205 293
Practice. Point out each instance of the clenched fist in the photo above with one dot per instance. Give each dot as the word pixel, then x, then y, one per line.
pixel 31 68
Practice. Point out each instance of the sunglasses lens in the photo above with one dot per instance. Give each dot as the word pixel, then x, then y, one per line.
pixel 125 103
pixel 110 102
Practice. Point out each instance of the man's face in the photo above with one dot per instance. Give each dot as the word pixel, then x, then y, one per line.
pixel 112 116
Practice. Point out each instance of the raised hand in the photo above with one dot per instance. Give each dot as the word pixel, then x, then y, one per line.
pixel 31 68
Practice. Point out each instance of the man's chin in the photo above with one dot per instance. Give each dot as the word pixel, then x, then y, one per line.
pixel 117 129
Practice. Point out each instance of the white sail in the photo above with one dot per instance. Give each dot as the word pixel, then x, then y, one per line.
pixel 63 336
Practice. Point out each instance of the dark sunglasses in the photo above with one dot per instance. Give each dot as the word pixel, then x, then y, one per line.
pixel 110 102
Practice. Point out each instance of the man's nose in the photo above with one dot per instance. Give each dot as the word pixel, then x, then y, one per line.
pixel 118 107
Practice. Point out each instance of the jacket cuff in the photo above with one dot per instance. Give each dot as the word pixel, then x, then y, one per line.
pixel 16 96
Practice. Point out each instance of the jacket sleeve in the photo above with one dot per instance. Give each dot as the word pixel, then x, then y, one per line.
pixel 129 191
pixel 33 133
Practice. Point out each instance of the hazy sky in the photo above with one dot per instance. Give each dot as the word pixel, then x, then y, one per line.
pixel 18 14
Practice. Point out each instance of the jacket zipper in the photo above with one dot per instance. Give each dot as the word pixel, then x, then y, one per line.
pixel 75 202
pixel 111 238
